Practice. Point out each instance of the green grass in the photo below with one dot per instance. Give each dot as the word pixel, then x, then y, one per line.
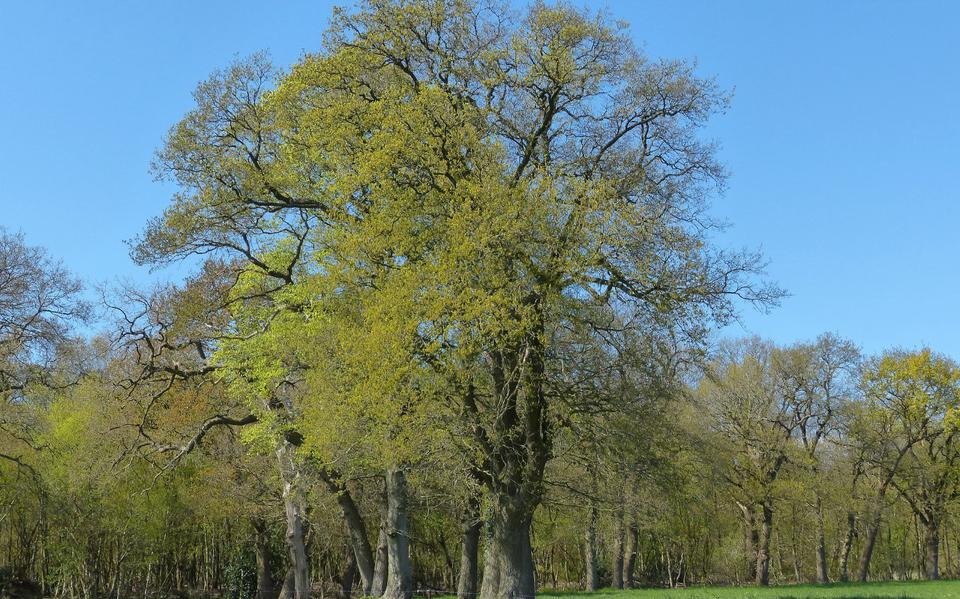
pixel 877 590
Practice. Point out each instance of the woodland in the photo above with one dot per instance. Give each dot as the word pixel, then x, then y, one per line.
pixel 452 328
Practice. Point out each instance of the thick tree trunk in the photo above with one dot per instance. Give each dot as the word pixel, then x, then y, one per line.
pixel 508 569
pixel 591 577
pixel 823 572
pixel 519 447
pixel 399 570
pixel 356 529
pixel 763 546
pixel 848 546
pixel 633 547
pixel 932 556
pixel 261 547
pixel 295 510
pixel 618 582
pixel 469 548
pixel 752 537
pixel 869 543
pixel 380 566
pixel 491 572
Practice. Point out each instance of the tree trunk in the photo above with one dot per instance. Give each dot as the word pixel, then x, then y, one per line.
pixel 399 571
pixel 752 537
pixel 591 578
pixel 518 457
pixel 380 566
pixel 288 590
pixel 848 546
pixel 823 572
pixel 618 552
pixel 295 509
pixel 349 575
pixel 763 546
pixel 491 571
pixel 932 542
pixel 508 569
pixel 356 529
pixel 262 549
pixel 871 540
pixel 633 547
pixel 470 536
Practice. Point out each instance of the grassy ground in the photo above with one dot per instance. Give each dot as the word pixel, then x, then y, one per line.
pixel 878 590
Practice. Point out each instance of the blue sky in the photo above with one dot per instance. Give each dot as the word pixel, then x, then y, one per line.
pixel 843 139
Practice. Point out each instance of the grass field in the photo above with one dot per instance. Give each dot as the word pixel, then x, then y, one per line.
pixel 878 590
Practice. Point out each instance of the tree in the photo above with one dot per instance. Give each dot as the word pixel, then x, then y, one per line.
pixel 499 179
pixel 40 303
pixel 817 381
pixel 751 418
pixel 40 306
pixel 371 167
pixel 921 390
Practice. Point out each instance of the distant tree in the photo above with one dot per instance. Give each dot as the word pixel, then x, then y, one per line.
pixel 921 392
pixel 754 428
pixel 817 381
pixel 40 306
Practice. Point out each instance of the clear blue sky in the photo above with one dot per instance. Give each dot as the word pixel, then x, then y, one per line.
pixel 843 139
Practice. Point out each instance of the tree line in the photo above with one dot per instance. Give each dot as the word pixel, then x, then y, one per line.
pixel 450 328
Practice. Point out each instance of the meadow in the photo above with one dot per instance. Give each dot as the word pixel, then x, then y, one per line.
pixel 940 589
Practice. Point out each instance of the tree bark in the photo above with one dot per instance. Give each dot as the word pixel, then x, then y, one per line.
pixel 470 545
pixel 399 571
pixel 869 543
pixel 295 510
pixel 591 577
pixel 288 590
pixel 262 550
pixel 752 537
pixel 380 566
pixel 508 570
pixel 356 529
pixel 763 546
pixel 618 552
pixel 932 543
pixel 491 572
pixel 517 444
pixel 848 546
pixel 633 538
pixel 823 572
pixel 349 575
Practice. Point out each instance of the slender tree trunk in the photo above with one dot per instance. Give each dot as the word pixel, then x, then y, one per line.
pixel 823 572
pixel 932 554
pixel 508 568
pixel 357 530
pixel 618 557
pixel 591 577
pixel 295 509
pixel 763 547
pixel 633 538
pixel 848 546
pixel 288 590
pixel 262 549
pixel 470 545
pixel 399 570
pixel 349 575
